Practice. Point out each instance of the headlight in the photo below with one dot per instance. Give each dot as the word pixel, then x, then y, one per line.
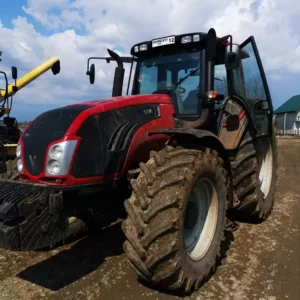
pixel 53 167
pixel 20 165
pixel 59 158
pixel 56 152
pixel 18 151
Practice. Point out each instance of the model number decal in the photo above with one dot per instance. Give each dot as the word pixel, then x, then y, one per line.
pixel 148 111
pixel 163 41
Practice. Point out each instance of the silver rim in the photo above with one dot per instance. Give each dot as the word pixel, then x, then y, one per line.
pixel 200 219
pixel 266 166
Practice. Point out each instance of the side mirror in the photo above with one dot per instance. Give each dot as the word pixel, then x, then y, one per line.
pixel 14 73
pixel 261 107
pixel 233 122
pixel 91 74
pixel 232 57
pixel 211 44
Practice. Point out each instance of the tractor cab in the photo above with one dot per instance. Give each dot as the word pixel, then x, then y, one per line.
pixel 191 68
pixel 173 65
pixel 198 71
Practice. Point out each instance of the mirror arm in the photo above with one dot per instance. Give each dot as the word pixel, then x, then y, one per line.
pixel 88 62
pixel 108 60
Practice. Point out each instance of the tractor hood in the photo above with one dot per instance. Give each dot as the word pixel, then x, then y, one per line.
pixel 115 103
pixel 123 101
pixel 97 125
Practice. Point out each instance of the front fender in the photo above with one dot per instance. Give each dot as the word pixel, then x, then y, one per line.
pixel 194 138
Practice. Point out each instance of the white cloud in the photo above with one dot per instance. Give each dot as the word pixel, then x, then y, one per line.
pixel 81 30
pixel 276 77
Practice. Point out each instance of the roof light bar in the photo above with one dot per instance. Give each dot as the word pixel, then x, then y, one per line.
pixel 143 47
pixel 196 38
pixel 186 39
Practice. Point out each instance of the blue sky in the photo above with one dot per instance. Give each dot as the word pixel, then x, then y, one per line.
pixel 33 31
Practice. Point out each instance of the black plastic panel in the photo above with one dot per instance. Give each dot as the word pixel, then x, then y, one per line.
pixel 48 127
pixel 106 138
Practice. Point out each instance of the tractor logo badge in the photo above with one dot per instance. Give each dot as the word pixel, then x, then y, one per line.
pixel 32 160
pixel 147 111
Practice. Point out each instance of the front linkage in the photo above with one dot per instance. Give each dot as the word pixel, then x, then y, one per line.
pixel 30 216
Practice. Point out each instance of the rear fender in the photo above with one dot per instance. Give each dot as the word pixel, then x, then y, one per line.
pixel 196 138
pixel 231 135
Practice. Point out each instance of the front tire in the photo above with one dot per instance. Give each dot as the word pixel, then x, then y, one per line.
pixel 163 218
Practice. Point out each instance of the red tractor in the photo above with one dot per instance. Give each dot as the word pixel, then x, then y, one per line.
pixel 192 144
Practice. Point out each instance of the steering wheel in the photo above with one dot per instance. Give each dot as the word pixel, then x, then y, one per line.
pixel 178 100
pixel 182 90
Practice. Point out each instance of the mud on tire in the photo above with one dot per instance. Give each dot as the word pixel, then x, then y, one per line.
pixel 11 170
pixel 254 170
pixel 156 223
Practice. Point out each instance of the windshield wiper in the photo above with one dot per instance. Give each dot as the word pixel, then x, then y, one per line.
pixel 182 79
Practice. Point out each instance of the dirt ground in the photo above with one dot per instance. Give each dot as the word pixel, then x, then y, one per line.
pixel 263 261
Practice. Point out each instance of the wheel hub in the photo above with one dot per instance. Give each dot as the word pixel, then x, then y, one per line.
pixel 200 219
pixel 192 212
pixel 266 167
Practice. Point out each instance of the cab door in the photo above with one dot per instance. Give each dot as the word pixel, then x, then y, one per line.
pixel 252 86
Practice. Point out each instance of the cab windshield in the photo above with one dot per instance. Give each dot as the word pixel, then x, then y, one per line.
pixel 160 74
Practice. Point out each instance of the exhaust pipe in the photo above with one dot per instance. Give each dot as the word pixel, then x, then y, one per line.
pixel 119 74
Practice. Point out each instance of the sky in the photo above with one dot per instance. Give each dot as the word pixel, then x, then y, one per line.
pixel 33 31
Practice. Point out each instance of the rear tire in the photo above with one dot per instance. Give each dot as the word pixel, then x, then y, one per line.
pixel 254 171
pixel 159 217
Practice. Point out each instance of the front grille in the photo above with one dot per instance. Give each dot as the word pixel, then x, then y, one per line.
pixel 45 129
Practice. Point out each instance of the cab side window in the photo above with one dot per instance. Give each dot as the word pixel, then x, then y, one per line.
pixel 249 85
pixel 148 80
pixel 189 96
pixel 220 82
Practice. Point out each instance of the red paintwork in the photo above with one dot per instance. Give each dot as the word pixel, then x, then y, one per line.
pixel 139 146
pixel 141 143
pixel 109 104
pixel 225 43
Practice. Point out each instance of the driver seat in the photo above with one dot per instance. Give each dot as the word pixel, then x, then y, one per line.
pixel 191 101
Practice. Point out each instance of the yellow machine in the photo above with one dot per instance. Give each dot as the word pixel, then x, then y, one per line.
pixel 9 131
pixel 52 63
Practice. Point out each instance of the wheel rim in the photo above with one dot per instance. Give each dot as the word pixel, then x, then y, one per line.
pixel 72 220
pixel 266 167
pixel 200 219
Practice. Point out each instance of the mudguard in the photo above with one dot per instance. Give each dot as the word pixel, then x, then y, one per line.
pixel 230 136
pixel 200 137
pixel 203 137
